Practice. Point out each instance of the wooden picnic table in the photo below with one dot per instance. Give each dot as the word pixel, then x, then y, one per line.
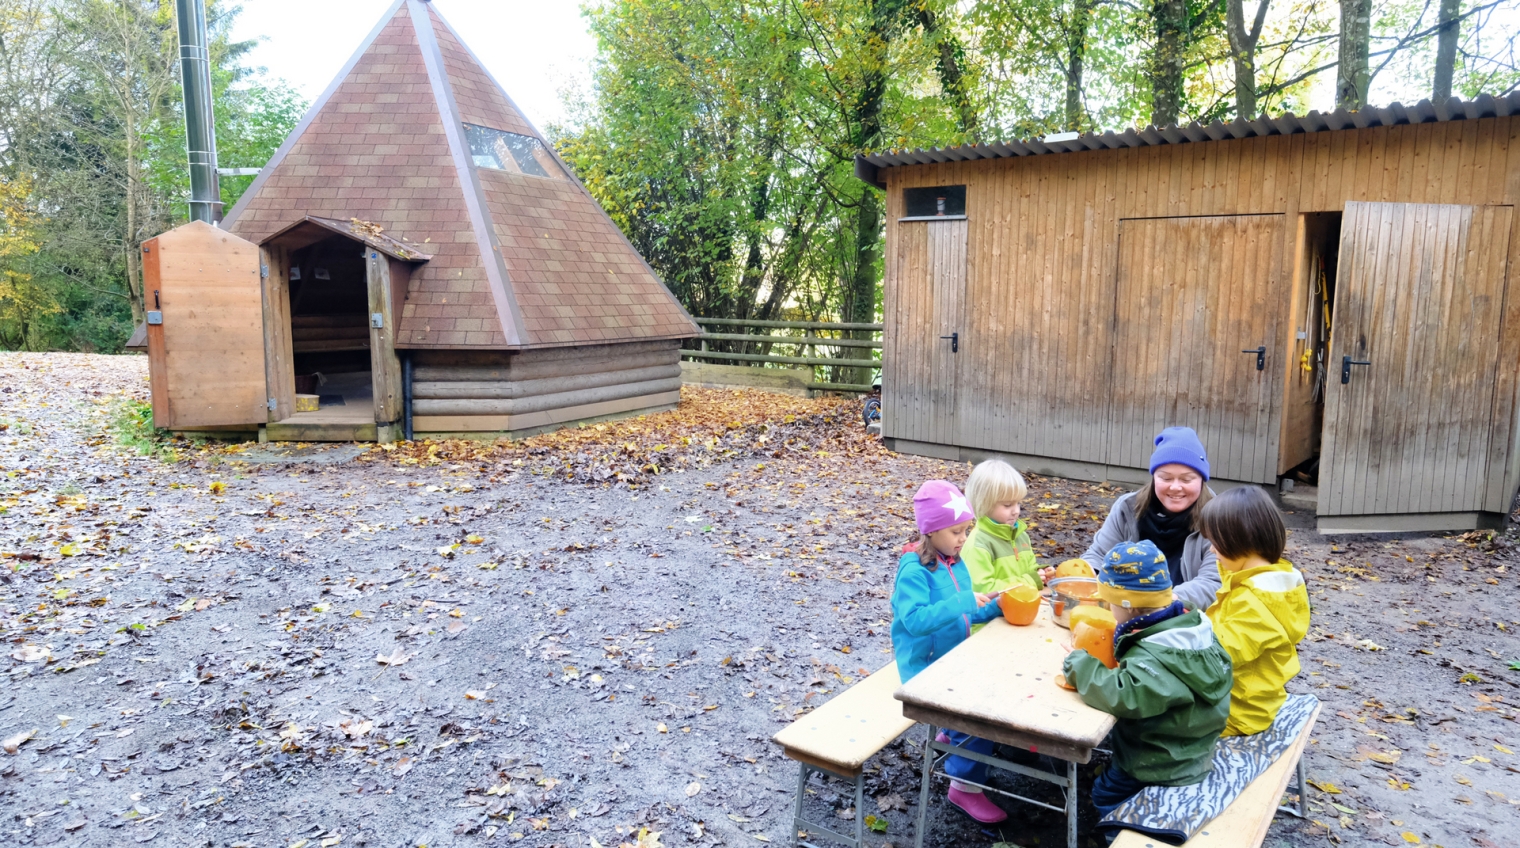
pixel 1000 684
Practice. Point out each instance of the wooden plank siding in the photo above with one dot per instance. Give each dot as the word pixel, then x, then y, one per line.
pixel 1419 298
pixel 207 358
pixel 1045 316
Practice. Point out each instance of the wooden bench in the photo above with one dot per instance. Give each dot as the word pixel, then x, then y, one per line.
pixel 837 738
pixel 1244 823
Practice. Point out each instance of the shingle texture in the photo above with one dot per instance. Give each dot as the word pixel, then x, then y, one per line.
pixel 377 150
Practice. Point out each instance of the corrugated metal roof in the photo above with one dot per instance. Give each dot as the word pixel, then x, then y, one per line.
pixel 1483 106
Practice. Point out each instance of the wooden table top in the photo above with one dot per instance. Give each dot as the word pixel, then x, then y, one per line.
pixel 1000 685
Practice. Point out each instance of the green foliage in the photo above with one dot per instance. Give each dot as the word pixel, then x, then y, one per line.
pixel 98 131
pixel 131 426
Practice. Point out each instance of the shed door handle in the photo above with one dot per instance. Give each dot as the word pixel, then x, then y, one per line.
pixel 1346 363
pixel 1261 357
pixel 955 342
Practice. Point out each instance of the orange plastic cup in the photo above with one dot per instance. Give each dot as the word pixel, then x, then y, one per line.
pixel 1020 605
pixel 1096 639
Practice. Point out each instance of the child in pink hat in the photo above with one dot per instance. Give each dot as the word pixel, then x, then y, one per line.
pixel 933 609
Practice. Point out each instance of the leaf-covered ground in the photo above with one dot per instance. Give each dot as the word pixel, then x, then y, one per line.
pixel 589 635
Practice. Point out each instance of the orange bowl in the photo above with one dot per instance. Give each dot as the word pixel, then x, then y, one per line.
pixel 1020 605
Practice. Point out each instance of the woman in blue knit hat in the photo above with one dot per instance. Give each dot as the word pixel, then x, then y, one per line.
pixel 1164 513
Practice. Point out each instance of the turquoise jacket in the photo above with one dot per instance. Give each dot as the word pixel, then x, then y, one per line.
pixel 932 612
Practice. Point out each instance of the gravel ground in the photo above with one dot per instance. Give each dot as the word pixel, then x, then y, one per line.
pixel 591 636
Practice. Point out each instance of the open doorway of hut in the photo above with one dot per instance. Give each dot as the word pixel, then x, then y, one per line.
pixel 1320 245
pixel 330 330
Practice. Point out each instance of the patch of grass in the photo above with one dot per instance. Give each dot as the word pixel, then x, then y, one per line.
pixel 132 427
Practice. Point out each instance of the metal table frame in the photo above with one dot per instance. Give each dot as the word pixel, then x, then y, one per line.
pixel 1068 784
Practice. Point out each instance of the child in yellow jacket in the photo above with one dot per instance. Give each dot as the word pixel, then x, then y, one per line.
pixel 1261 610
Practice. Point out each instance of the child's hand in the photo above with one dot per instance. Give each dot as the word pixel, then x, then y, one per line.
pixel 983 600
pixel 1047 574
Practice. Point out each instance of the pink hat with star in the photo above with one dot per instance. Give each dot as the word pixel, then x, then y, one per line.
pixel 938 505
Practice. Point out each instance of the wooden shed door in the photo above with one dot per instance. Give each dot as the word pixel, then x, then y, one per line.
pixel 928 290
pixel 1419 297
pixel 206 357
pixel 1193 293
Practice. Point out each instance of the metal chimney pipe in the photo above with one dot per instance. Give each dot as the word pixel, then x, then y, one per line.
pixel 200 123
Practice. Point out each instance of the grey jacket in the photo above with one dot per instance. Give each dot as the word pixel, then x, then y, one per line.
pixel 1200 568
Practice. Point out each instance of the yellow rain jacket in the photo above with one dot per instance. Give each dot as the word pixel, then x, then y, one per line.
pixel 1259 615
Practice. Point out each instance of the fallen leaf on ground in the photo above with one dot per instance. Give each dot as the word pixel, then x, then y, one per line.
pixel 399 657
pixel 693 788
pixel 1326 787
pixel 13 743
pixel 31 654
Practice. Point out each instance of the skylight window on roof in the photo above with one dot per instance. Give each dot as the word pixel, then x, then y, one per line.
pixel 512 152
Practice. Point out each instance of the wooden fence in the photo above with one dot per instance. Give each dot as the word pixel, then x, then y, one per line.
pixel 811 340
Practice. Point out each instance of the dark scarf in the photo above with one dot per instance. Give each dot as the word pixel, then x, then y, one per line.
pixel 1169 532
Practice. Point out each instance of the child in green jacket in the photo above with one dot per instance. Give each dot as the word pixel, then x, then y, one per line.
pixel 1171 690
pixel 998 554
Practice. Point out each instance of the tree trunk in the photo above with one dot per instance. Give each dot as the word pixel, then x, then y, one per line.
pixel 950 61
pixel 1352 75
pixel 1171 21
pixel 1076 55
pixel 1446 48
pixel 132 247
pixel 860 299
pixel 1243 51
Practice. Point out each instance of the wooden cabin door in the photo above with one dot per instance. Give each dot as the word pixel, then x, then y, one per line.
pixel 205 329
pixel 1414 353
pixel 1193 295
pixel 925 333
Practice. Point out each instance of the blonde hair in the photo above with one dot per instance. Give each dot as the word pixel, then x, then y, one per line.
pixel 993 482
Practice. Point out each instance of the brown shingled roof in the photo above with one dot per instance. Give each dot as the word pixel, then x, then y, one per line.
pixel 517 261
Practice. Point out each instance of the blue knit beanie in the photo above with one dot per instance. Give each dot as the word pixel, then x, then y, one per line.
pixel 1135 576
pixel 1180 445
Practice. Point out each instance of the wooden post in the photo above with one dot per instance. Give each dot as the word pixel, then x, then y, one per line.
pixel 279 353
pixel 385 366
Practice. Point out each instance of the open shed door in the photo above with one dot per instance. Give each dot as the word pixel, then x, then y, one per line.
pixel 205 329
pixel 1414 354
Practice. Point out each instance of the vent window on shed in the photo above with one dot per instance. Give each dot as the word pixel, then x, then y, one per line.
pixel 505 151
pixel 935 202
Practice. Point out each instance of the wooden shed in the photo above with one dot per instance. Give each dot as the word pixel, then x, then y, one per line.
pixel 1332 291
pixel 414 251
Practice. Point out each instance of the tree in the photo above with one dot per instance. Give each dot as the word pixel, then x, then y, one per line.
pixel 1352 76
pixel 1243 43
pixel 1446 48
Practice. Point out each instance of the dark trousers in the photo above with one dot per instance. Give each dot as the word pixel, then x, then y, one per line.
pixel 1112 788
pixel 961 768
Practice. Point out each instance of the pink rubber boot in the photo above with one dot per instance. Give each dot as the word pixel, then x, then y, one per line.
pixel 977 805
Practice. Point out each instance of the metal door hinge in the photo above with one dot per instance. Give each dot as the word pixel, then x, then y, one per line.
pixel 271 404
pixel 155 318
pixel 377 320
pixel 263 270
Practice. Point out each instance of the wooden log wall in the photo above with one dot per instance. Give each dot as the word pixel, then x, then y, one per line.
pixel 460 391
pixel 1043 268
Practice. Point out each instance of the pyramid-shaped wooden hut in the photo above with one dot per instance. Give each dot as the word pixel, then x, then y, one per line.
pixel 423 256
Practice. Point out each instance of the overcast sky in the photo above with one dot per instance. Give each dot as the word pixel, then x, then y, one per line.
pixel 532 47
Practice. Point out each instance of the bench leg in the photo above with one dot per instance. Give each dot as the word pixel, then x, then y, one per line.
pixel 1300 785
pixel 860 811
pixel 923 793
pixel 1071 805
pixel 797 820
